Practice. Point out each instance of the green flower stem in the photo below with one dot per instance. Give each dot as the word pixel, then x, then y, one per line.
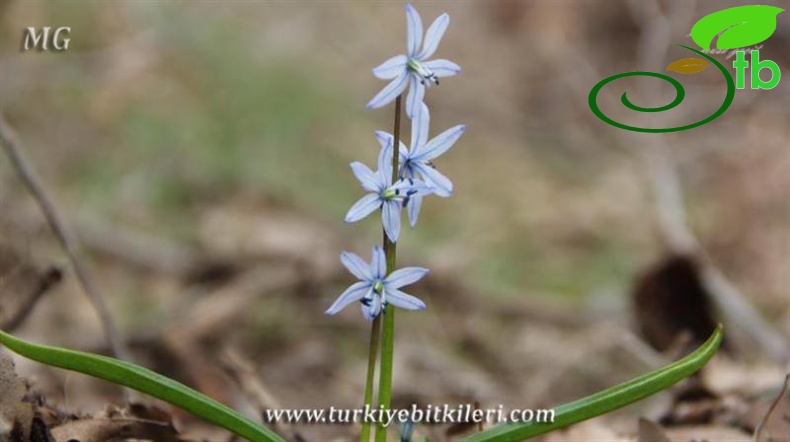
pixel 373 353
pixel 388 338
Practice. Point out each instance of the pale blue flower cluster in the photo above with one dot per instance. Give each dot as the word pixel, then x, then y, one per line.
pixel 416 177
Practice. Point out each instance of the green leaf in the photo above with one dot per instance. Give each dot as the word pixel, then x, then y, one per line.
pixel 736 27
pixel 143 380
pixel 609 399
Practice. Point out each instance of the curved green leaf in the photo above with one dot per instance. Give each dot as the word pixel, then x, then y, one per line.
pixel 143 380
pixel 609 399
pixel 736 27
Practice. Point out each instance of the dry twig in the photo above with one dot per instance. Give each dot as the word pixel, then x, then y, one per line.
pixel 244 375
pixel 13 148
pixel 46 281
pixel 134 248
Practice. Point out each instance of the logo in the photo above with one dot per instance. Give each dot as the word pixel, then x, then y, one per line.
pixel 734 29
pixel 42 39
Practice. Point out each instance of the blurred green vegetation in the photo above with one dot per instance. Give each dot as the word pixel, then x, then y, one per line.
pixel 212 119
pixel 219 122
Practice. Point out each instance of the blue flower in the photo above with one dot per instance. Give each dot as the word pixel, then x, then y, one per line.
pixel 375 288
pixel 412 69
pixel 383 194
pixel 416 163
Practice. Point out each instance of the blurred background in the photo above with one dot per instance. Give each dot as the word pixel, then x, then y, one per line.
pixel 200 152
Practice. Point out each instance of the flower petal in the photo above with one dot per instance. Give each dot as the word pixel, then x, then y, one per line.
pixel 412 187
pixel 419 129
pixel 413 209
pixel 441 143
pixel 404 276
pixel 373 309
pixel 404 152
pixel 353 293
pixel 385 163
pixel 363 207
pixel 443 68
pixel 378 263
pixel 441 185
pixel 434 36
pixel 413 30
pixel 390 92
pixel 365 176
pixel 404 300
pixel 357 266
pixel 391 68
pixel 385 139
pixel 390 218
pixel 416 95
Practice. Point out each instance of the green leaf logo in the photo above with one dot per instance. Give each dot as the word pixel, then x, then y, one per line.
pixel 736 27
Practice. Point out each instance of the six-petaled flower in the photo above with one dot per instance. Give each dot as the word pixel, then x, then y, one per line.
pixel 384 194
pixel 416 162
pixel 413 70
pixel 375 288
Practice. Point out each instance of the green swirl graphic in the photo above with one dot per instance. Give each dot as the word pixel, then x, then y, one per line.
pixel 680 93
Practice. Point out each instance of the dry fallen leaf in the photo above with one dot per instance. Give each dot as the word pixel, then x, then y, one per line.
pixel 776 423
pixel 102 430
pixel 707 433
pixel 15 414
pixel 39 432
pixel 688 65
pixel 590 430
pixel 650 431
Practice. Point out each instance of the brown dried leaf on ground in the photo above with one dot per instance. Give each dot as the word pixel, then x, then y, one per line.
pixel 137 421
pixel 650 431
pixel 15 413
pixel 592 430
pixel 707 432
pixel 775 426
pixel 103 429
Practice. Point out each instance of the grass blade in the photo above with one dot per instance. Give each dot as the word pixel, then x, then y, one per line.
pixel 608 400
pixel 145 381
